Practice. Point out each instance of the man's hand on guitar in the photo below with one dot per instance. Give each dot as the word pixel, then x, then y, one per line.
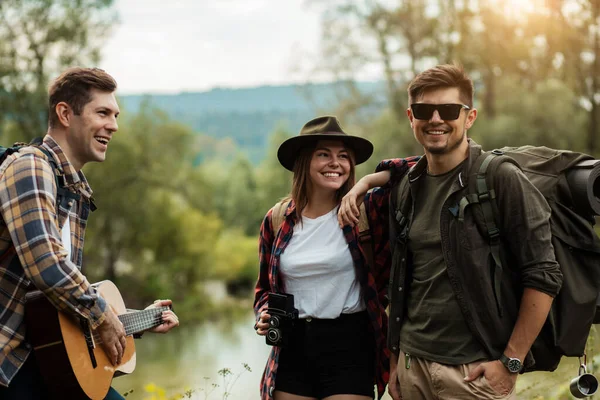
pixel 112 334
pixel 169 318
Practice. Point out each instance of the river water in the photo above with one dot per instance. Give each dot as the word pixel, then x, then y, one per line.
pixel 191 357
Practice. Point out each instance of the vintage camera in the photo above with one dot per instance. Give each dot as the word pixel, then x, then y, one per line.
pixel 283 314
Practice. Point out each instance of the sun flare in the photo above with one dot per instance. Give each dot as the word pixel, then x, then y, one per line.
pixel 516 8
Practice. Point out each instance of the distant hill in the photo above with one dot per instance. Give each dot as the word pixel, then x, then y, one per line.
pixel 248 115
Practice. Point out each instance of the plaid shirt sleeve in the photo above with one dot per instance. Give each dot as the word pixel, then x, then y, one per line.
pixel 377 206
pixel 27 204
pixel 265 245
pixel 398 167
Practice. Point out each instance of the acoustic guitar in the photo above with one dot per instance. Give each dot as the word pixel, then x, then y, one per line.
pixel 69 353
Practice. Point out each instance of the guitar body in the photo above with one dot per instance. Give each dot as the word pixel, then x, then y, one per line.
pixel 62 351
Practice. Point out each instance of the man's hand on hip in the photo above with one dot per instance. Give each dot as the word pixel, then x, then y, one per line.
pixel 497 375
pixel 394 385
pixel 112 335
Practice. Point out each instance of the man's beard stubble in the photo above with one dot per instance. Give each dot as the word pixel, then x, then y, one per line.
pixel 447 149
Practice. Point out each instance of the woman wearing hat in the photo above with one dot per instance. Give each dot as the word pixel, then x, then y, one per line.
pixel 336 347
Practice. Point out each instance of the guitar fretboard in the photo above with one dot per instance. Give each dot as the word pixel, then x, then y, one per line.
pixel 139 321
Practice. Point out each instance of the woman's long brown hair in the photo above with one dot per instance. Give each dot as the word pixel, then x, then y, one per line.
pixel 301 179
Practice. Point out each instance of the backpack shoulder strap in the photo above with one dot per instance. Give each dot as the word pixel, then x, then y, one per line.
pixel 278 214
pixel 363 221
pixel 364 235
pixel 400 210
pixel 62 194
pixel 482 192
pixel 37 143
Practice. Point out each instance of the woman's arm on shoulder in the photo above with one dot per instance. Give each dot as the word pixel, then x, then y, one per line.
pixel 387 173
pixel 397 167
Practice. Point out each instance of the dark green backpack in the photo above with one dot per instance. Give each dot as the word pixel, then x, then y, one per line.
pixel 569 182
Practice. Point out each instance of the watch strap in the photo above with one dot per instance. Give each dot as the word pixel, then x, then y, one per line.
pixel 506 362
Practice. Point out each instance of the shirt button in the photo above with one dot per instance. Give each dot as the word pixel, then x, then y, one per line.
pixel 397 319
pixel 395 347
pixel 399 288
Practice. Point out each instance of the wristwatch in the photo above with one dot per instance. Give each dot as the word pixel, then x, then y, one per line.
pixel 513 365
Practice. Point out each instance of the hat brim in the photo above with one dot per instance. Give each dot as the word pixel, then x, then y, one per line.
pixel 289 150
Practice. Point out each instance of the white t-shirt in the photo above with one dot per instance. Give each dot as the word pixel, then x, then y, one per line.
pixel 66 235
pixel 317 268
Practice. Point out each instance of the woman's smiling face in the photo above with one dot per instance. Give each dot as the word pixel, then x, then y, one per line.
pixel 330 165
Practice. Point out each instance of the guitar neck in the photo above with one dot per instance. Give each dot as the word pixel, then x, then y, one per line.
pixel 139 321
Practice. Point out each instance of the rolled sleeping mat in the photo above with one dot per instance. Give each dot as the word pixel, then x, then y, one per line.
pixel 584 182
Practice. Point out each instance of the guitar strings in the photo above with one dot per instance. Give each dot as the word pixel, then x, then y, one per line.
pixel 136 321
pixel 135 329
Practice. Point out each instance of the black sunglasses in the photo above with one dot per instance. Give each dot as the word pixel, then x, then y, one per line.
pixel 448 112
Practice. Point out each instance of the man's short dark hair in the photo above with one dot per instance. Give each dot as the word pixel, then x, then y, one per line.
pixel 439 77
pixel 73 87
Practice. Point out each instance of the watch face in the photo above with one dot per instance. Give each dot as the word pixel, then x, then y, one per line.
pixel 514 365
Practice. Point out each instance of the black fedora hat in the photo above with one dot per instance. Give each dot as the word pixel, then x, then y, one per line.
pixel 322 128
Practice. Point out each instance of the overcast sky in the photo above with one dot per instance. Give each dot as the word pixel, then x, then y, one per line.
pixel 191 45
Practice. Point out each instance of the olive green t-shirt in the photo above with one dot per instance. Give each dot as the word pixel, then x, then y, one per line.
pixel 434 327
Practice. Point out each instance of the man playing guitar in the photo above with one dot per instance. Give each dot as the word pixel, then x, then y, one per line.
pixel 45 201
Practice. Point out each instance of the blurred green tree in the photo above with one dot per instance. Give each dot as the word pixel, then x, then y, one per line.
pixel 274 181
pixel 235 193
pixel 362 35
pixel 531 49
pixel 154 232
pixel 236 262
pixel 548 115
pixel 38 39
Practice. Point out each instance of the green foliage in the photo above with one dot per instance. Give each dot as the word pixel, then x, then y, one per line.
pixel 552 49
pixel 38 39
pixel 242 193
pixel 153 228
pixel 236 195
pixel 236 259
pixel 274 181
pixel 390 138
pixel 547 115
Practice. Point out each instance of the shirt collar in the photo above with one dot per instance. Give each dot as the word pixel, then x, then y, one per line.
pixel 72 178
pixel 419 169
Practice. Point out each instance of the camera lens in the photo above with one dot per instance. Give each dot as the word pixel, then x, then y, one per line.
pixel 274 321
pixel 274 335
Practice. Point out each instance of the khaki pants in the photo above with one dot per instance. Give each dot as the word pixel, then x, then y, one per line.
pixel 427 380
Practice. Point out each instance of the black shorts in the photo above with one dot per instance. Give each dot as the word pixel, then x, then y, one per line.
pixel 325 357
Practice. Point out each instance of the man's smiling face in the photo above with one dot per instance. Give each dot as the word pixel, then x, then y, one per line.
pixel 438 136
pixel 90 132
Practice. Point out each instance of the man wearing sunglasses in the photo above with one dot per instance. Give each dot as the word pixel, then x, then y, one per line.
pixel 450 336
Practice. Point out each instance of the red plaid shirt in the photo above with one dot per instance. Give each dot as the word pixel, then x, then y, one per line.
pixel 374 280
